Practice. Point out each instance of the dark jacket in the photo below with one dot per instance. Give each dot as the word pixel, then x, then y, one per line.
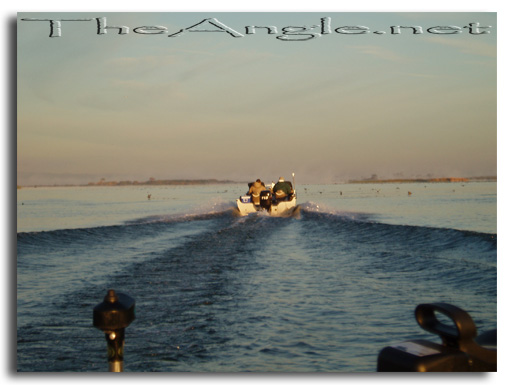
pixel 282 189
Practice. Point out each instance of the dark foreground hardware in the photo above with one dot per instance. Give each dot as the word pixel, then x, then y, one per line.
pixel 460 351
pixel 112 316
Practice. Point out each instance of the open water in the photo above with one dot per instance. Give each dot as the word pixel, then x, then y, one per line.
pixel 323 291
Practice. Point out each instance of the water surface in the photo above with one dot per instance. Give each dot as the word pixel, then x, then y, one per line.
pixel 324 291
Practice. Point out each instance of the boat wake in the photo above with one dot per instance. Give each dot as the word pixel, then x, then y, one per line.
pixel 318 208
pixel 211 209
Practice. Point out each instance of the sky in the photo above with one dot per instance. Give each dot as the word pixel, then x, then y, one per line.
pixel 330 103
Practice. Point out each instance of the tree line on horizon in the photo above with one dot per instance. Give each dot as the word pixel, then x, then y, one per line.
pixel 157 182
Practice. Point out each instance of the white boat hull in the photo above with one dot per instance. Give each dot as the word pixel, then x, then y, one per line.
pixel 281 209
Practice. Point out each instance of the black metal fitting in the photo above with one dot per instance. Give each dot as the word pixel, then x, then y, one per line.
pixel 460 350
pixel 112 316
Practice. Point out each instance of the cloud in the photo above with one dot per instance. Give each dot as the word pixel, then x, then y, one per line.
pixel 472 47
pixel 380 52
pixel 424 76
pixel 228 63
pixel 130 95
pixel 137 66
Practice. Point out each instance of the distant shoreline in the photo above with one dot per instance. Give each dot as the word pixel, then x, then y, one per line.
pixel 157 182
pixel 428 180
pixel 150 182
pixel 195 182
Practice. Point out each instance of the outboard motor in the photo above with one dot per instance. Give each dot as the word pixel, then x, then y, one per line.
pixel 459 351
pixel 266 198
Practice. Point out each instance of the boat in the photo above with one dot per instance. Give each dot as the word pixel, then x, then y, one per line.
pixel 268 202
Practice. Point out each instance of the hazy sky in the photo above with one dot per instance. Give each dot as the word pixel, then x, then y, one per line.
pixel 346 103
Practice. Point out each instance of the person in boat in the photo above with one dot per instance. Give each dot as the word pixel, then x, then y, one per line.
pixel 255 191
pixel 282 189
